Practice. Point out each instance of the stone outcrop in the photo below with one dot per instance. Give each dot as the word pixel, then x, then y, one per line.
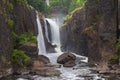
pixel 30 49
pixel 44 59
pixel 40 61
pixel 70 63
pixel 67 59
pixel 91 31
pixel 47 72
pixel 15 17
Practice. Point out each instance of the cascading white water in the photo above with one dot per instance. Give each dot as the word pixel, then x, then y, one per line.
pixel 46 30
pixel 40 38
pixel 55 33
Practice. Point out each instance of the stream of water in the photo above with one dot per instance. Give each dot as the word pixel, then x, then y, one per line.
pixel 40 38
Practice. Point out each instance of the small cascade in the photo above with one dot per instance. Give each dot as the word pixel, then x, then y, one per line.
pixel 40 38
pixel 46 31
pixel 55 34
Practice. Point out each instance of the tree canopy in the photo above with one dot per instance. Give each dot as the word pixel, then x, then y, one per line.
pixel 66 5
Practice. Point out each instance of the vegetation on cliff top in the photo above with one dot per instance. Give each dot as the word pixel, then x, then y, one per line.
pixel 66 6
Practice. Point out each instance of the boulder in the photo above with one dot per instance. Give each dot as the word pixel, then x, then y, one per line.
pixel 70 63
pixel 47 71
pixel 40 61
pixel 37 64
pixel 30 49
pixel 5 72
pixel 65 57
pixel 21 71
pixel 43 59
pixel 53 65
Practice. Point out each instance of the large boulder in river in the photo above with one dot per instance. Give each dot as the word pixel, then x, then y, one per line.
pixel 70 63
pixel 44 59
pixel 66 59
pixel 39 62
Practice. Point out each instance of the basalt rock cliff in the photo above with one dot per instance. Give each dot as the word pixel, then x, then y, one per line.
pixel 92 31
pixel 15 17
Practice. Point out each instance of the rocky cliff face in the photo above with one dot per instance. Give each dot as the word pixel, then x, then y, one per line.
pixel 91 31
pixel 15 16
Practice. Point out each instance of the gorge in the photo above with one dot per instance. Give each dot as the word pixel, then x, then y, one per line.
pixel 31 44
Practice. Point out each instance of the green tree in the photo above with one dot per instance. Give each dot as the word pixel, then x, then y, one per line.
pixel 37 4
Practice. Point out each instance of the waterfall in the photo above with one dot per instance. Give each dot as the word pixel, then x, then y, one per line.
pixel 46 30
pixel 55 33
pixel 40 38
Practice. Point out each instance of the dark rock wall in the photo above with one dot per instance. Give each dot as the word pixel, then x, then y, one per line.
pixel 92 31
pixel 14 18
pixel 5 42
pixel 119 13
pixel 25 19
pixel 72 38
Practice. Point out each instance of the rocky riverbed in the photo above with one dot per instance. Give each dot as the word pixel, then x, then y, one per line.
pixel 53 71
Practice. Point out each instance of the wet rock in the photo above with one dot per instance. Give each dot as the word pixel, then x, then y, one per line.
pixel 40 61
pixel 65 57
pixel 20 71
pixel 5 72
pixel 47 71
pixel 113 71
pixel 30 49
pixel 37 64
pixel 44 59
pixel 53 65
pixel 70 63
pixel 115 67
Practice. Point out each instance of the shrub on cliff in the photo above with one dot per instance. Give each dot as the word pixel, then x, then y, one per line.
pixel 23 38
pixel 28 37
pixel 19 58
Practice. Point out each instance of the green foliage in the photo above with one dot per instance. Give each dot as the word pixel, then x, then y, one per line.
pixel 28 37
pixel 10 23
pixel 114 59
pixel 37 4
pixel 19 58
pixel 117 45
pixel 56 4
pixel 10 6
pixel 23 38
pixel 67 5
pixel 68 17
pixel 21 2
pixel 75 4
